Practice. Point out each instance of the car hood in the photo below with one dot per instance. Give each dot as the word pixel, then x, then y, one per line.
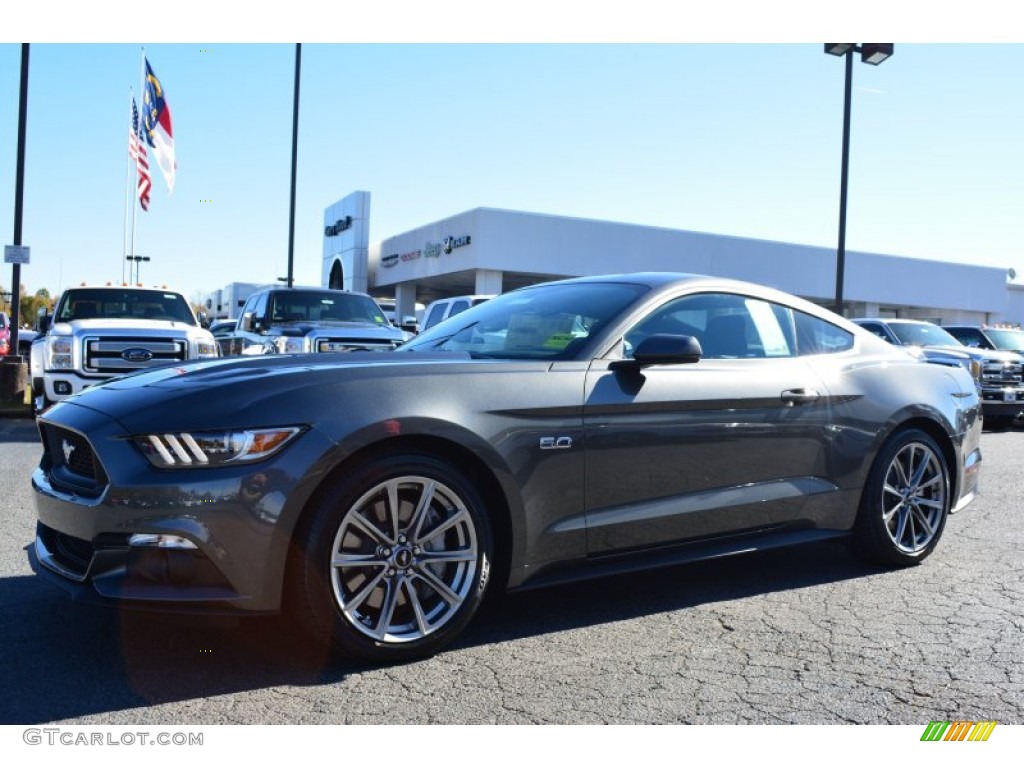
pixel 980 354
pixel 368 330
pixel 124 325
pixel 267 390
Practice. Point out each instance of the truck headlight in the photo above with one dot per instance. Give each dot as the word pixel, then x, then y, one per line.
pixel 290 345
pixel 206 348
pixel 58 353
pixel 181 450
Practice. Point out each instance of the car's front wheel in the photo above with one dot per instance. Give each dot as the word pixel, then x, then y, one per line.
pixel 393 560
pixel 906 501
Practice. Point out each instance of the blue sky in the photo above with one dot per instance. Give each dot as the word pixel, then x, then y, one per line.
pixel 738 138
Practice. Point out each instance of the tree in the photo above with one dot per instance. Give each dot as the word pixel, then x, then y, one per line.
pixel 29 305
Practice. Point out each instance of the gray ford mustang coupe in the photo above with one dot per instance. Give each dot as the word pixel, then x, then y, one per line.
pixel 574 429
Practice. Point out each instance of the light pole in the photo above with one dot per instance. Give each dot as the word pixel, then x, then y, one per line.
pixel 870 53
pixel 136 259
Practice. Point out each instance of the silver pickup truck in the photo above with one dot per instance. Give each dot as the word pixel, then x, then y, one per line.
pixel 99 332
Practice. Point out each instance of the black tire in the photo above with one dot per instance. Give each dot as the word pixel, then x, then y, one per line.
pixel 906 501
pixel 391 563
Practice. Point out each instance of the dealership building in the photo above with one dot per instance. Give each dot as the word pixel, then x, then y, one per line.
pixel 490 251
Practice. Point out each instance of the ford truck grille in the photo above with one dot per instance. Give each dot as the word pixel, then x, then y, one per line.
pixel 996 372
pixel 123 354
pixel 348 344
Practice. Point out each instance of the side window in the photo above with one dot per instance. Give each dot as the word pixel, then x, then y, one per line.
pixel 250 306
pixel 728 326
pixel 260 310
pixel 972 338
pixel 458 306
pixel 435 316
pixel 819 337
pixel 876 329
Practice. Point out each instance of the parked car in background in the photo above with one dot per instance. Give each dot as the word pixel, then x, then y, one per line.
pixel 408 323
pixel 5 334
pixel 25 337
pixel 582 428
pixel 283 320
pixel 988 337
pixel 999 374
pixel 222 328
pixel 442 309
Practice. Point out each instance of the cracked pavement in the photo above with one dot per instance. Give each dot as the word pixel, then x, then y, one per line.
pixel 806 635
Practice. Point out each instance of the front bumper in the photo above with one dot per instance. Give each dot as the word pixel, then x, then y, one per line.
pixel 1002 402
pixel 237 520
pixel 60 384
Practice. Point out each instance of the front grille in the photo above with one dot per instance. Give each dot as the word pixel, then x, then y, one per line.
pixel 69 459
pixel 995 372
pixel 107 355
pixel 349 344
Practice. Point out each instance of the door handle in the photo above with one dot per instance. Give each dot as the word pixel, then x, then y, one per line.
pixel 800 396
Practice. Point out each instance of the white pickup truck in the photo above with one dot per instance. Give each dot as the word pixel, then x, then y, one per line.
pixel 104 331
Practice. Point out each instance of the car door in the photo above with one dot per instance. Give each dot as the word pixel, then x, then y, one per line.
pixel 734 442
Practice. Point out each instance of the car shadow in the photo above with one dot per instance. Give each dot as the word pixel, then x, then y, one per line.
pixel 19 431
pixel 65 660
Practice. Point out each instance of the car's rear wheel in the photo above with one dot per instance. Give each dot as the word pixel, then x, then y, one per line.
pixel 393 560
pixel 906 501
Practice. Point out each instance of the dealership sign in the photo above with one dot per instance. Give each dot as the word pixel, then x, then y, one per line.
pixel 338 227
pixel 451 243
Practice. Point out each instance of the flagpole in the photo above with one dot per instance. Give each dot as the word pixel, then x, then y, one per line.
pixel 142 91
pixel 128 186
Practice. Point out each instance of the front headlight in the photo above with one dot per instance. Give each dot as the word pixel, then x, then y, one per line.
pixel 205 348
pixel 975 368
pixel 290 345
pixel 182 450
pixel 58 353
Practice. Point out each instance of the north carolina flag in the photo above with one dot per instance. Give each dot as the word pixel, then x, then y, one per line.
pixel 156 115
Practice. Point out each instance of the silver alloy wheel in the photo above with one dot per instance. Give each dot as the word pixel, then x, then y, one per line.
pixel 914 497
pixel 404 559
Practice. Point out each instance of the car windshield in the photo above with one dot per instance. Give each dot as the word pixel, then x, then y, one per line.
pixel 545 322
pixel 324 307
pixel 1006 338
pixel 127 304
pixel 923 335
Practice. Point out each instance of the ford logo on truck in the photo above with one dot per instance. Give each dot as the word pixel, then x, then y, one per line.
pixel 137 355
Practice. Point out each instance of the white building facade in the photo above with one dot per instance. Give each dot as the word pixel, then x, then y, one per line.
pixel 490 251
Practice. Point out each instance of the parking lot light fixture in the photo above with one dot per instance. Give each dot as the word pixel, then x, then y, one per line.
pixel 136 259
pixel 870 53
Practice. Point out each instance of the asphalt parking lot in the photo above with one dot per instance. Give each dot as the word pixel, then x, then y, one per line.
pixel 809 635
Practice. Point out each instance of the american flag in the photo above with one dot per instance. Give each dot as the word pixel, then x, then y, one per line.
pixel 137 152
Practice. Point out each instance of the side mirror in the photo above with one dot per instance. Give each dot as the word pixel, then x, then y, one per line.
pixel 661 349
pixel 248 322
pixel 44 322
